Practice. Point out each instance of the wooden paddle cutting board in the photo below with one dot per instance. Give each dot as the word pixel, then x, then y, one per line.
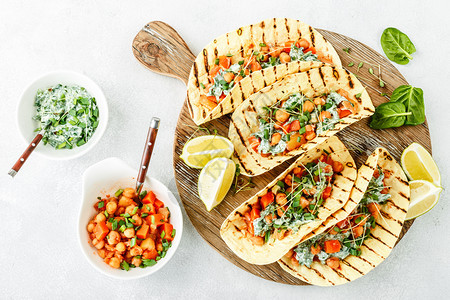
pixel 162 50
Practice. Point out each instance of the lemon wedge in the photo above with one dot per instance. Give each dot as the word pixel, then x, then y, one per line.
pixel 424 196
pixel 419 165
pixel 200 150
pixel 215 180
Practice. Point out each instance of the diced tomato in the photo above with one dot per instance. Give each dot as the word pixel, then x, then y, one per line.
pixel 149 198
pixel 209 102
pixel 323 158
pixel 295 126
pixel 286 127
pixel 101 230
pixel 212 98
pixel 158 204
pixel 312 49
pixel 156 219
pixel 343 113
pixel 143 231
pixel 343 224
pixel 385 191
pixel 267 199
pixel 255 213
pixel 148 208
pixel 150 254
pixel 224 61
pixel 167 228
pixel 287 47
pixel 376 173
pixel 387 174
pixel 326 193
pixel 332 246
pixel 214 70
pixel 254 142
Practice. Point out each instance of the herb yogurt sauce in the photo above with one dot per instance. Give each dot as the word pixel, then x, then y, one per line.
pixel 68 115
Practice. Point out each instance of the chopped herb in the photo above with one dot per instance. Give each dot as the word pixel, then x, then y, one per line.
pixel 144 215
pixel 351 64
pixel 134 210
pixel 216 61
pixel 118 193
pixel 125 266
pixel 262 45
pixel 163 234
pixel 133 242
pixel 101 204
pixel 346 50
pixel 360 65
pixel 229 55
pixel 202 85
pixel 358 95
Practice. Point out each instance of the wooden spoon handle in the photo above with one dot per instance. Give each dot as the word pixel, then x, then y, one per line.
pixel 162 50
pixel 23 158
pixel 148 149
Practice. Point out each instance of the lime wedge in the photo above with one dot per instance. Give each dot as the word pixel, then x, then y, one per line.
pixel 200 150
pixel 419 165
pixel 215 180
pixel 424 196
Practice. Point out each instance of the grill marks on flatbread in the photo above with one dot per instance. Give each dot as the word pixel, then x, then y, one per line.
pixel 240 42
pixel 313 82
pixel 274 249
pixel 375 249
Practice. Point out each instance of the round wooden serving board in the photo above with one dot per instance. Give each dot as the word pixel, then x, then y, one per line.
pixel 161 49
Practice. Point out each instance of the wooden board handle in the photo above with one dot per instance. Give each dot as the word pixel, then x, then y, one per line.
pixel 23 158
pixel 162 50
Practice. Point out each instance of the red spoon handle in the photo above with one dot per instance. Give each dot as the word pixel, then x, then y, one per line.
pixel 23 158
pixel 151 137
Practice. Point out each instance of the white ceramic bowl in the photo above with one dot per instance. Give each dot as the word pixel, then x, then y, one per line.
pixel 106 177
pixel 26 110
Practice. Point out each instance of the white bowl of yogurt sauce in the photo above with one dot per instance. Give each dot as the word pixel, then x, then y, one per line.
pixel 26 110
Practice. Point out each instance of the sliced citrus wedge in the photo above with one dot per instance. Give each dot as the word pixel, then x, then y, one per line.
pixel 419 165
pixel 215 180
pixel 424 196
pixel 200 150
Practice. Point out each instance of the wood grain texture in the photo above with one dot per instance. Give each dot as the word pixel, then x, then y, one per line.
pixel 359 138
pixel 162 50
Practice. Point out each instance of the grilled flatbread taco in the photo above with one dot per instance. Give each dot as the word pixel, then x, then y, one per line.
pixel 294 115
pixel 243 61
pixel 358 237
pixel 265 227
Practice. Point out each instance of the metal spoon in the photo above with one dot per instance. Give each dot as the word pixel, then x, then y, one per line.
pixel 148 149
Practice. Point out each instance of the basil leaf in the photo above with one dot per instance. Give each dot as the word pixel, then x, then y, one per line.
pixel 412 99
pixel 397 46
pixel 388 115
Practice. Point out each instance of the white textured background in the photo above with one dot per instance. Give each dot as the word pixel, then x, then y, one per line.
pixel 39 252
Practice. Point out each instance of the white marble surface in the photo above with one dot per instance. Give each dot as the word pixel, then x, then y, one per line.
pixel 39 252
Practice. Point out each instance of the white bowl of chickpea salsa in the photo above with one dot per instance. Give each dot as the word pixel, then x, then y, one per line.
pixel 133 241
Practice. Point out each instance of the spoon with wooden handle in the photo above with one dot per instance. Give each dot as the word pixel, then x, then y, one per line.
pixel 23 158
pixel 148 149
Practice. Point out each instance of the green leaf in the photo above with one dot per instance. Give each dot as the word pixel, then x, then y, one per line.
pixel 125 266
pixel 412 99
pixel 388 115
pixel 397 46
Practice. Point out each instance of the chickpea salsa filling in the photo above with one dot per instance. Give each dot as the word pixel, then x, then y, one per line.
pixel 128 235
pixel 347 237
pixel 292 202
pixel 288 124
pixel 228 70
